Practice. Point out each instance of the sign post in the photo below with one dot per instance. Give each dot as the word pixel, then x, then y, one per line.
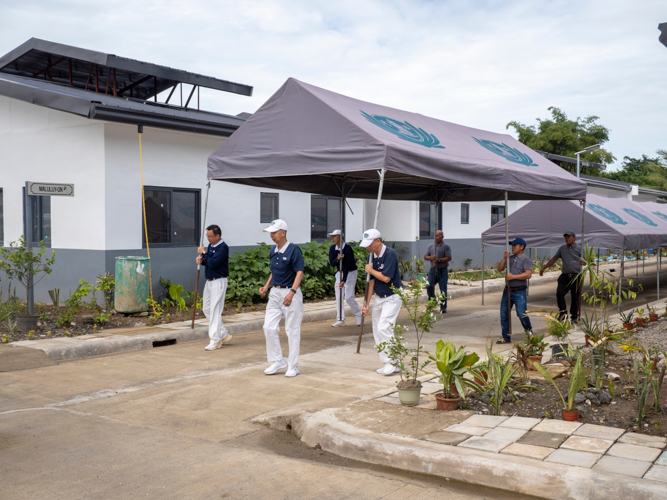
pixel 38 189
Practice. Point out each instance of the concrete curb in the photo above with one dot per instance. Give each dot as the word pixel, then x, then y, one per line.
pixel 506 472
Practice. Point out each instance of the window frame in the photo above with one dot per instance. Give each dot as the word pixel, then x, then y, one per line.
pixel 492 214
pixel 262 195
pixel 431 222
pixel 465 206
pixel 327 198
pixel 40 219
pixel 170 190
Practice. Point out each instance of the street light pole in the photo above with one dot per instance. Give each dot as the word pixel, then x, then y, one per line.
pixel 585 150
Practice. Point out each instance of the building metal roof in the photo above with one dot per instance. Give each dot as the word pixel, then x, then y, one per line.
pixel 107 87
pixel 620 186
pixel 567 159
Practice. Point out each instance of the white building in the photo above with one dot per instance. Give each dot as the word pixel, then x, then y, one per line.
pixel 70 115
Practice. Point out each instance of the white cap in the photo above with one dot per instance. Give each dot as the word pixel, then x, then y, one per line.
pixel 276 225
pixel 333 233
pixel 369 236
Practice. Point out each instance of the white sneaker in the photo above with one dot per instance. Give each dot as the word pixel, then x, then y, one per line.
pixel 292 372
pixel 213 346
pixel 380 370
pixel 339 323
pixel 277 365
pixel 226 340
pixel 389 369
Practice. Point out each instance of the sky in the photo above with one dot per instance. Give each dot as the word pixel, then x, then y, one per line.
pixel 480 63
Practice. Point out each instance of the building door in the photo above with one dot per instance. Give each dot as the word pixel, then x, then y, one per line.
pixel 324 216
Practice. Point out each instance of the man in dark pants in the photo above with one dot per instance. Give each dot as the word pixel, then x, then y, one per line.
pixel 571 255
pixel 215 258
pixel 346 283
pixel 521 269
pixel 439 272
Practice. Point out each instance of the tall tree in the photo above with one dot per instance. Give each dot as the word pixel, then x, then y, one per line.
pixel 562 136
pixel 644 171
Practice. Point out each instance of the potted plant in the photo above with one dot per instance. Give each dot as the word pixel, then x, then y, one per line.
pixel 419 269
pixel 452 364
pixel 481 369
pixel 406 269
pixel 640 320
pixel 652 314
pixel 534 347
pixel 591 328
pixel 626 319
pixel 468 263
pixel 404 357
pixel 20 263
pixel 560 331
pixel 577 382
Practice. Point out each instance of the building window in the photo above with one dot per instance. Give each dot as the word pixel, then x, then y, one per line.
pixel 426 219
pixel 324 216
pixel 172 216
pixel 497 213
pixel 465 213
pixel 40 222
pixel 268 207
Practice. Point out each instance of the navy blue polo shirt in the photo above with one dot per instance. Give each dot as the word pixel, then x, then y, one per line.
pixel 216 260
pixel 387 264
pixel 349 263
pixel 285 264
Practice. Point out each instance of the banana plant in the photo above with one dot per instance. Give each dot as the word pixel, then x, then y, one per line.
pixel 577 381
pixel 452 365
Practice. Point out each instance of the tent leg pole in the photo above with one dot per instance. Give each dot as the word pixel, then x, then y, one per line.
pixel 598 270
pixel 620 278
pixel 435 250
pixel 341 292
pixel 507 265
pixel 375 223
pixel 203 231
pixel 482 274
pixel 583 234
pixel 657 277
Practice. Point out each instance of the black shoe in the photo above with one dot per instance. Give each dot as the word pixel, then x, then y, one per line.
pixel 503 341
pixel 574 322
pixel 443 311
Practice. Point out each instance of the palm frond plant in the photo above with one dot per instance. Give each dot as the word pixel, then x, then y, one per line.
pixel 577 382
pixel 453 364
pixel 499 374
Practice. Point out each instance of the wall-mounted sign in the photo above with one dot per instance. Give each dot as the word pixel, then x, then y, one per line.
pixel 48 189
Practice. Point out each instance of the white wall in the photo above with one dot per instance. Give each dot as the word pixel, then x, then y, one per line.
pixel 44 145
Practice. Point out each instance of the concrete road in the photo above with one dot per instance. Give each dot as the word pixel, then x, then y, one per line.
pixel 174 422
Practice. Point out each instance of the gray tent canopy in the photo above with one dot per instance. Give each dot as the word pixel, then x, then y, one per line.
pixel 610 223
pixel 308 139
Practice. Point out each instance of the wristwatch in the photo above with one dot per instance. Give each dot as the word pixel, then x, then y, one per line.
pixel 292 290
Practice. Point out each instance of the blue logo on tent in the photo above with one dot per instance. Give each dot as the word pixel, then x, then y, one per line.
pixel 507 152
pixel 661 215
pixel 404 130
pixel 640 217
pixel 607 214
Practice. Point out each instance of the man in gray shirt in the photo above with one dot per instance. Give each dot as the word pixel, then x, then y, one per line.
pixel 439 272
pixel 521 269
pixel 571 255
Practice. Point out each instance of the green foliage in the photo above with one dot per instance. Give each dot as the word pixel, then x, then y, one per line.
pixel 106 283
pixel 175 292
pixel 577 381
pixel 534 345
pixel 642 383
pixel 562 136
pixel 101 317
pixel 453 364
pixel 74 302
pixel 157 311
pixel 21 262
pixel 644 171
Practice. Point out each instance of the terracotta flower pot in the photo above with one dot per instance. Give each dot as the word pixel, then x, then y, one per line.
pixel 533 359
pixel 587 339
pixel 654 364
pixel 653 318
pixel 446 404
pixel 628 326
pixel 570 415
pixel 640 322
pixel 485 376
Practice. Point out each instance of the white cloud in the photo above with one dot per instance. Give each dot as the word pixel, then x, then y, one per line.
pixel 479 63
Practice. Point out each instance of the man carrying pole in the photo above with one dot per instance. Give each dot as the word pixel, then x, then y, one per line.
pixel 383 273
pixel 440 254
pixel 520 271
pixel 342 258
pixel 216 260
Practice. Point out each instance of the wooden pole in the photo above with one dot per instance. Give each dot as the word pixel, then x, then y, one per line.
pixel 507 266
pixel 203 231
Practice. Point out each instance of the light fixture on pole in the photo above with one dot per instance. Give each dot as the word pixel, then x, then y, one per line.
pixel 585 150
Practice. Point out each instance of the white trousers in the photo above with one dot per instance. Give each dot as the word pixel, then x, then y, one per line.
pixel 385 312
pixel 212 304
pixel 348 296
pixel 275 310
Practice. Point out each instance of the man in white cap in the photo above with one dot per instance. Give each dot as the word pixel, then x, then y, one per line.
pixel 346 283
pixel 285 299
pixel 383 274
